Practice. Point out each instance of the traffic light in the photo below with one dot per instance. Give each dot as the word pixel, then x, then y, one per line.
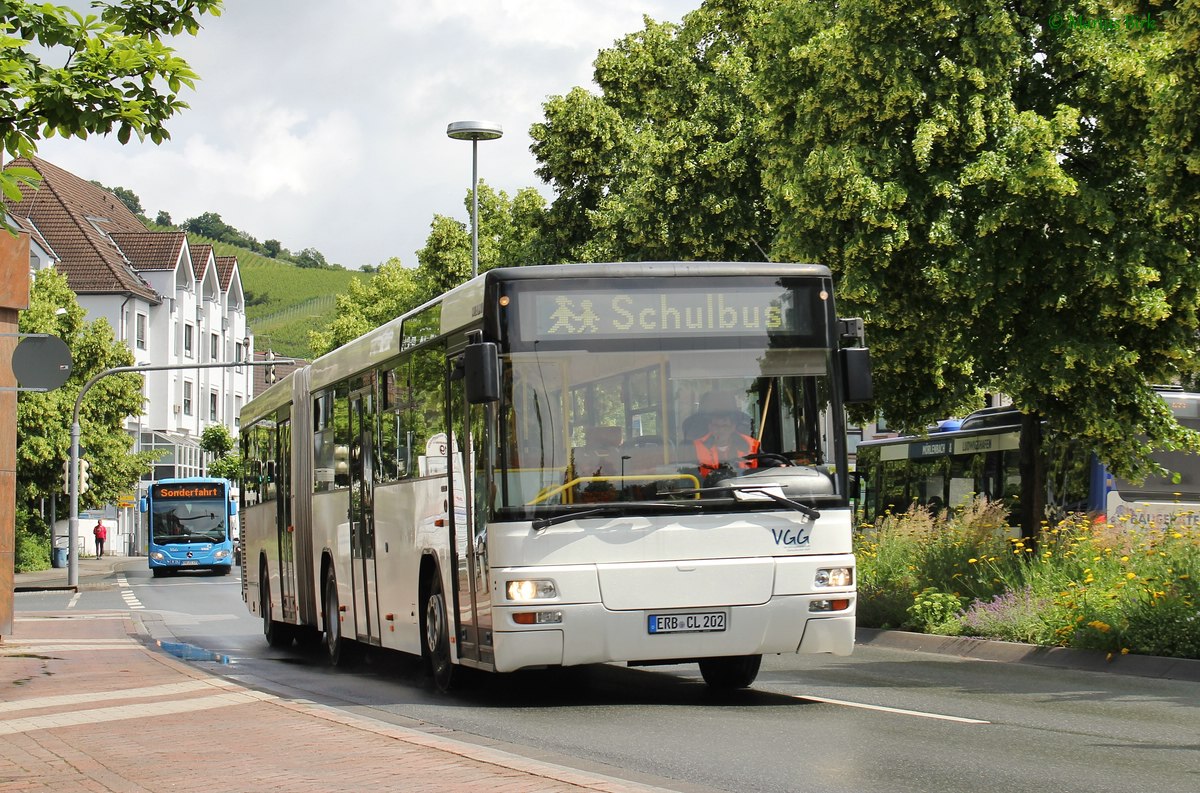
pixel 83 476
pixel 67 477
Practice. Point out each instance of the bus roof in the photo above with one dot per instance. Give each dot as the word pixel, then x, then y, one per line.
pixel 461 307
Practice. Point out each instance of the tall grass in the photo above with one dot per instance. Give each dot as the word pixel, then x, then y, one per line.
pixel 1115 587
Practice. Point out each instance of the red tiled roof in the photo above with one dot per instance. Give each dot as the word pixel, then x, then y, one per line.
pixel 151 250
pixel 77 219
pixel 226 265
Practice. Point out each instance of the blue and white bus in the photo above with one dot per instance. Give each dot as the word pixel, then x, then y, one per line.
pixel 981 457
pixel 191 525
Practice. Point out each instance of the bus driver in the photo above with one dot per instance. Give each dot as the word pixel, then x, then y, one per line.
pixel 723 446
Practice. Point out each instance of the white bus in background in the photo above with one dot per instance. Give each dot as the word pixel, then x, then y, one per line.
pixel 535 470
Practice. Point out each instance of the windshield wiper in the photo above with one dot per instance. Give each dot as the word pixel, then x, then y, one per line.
pixel 762 490
pixel 616 508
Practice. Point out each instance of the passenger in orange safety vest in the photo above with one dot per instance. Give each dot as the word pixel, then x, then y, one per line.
pixel 724 446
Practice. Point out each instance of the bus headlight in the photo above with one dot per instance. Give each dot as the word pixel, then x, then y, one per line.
pixel 221 554
pixel 530 590
pixel 835 576
pixel 158 556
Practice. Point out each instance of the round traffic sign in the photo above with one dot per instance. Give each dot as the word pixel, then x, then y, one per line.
pixel 41 361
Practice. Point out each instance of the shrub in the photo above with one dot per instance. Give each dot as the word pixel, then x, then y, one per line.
pixel 935 612
pixel 32 546
pixel 1117 587
pixel 1012 616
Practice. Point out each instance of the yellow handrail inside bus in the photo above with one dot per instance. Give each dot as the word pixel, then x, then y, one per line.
pixel 630 478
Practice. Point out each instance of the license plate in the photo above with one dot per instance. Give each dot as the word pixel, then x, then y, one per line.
pixel 702 622
pixel 190 562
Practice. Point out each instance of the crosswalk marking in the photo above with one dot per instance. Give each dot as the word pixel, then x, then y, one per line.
pixel 147 710
pixel 165 690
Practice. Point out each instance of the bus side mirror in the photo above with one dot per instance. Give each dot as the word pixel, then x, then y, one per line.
pixel 481 364
pixel 142 505
pixel 232 507
pixel 856 374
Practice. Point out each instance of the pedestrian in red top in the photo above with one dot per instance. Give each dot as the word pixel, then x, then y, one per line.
pixel 101 534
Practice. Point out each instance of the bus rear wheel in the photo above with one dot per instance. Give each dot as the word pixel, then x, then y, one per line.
pixel 437 637
pixel 727 674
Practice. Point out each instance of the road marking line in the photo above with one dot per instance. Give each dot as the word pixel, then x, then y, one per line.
pixel 885 709
pixel 74 600
pixel 164 690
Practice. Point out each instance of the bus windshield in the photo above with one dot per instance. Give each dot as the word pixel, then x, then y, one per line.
pixel 192 521
pixel 639 425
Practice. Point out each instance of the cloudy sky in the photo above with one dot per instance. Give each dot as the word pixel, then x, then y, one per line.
pixel 323 124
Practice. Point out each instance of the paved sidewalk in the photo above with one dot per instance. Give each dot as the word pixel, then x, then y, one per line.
pixel 88 703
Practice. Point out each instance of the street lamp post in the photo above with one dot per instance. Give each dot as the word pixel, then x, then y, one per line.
pixel 474 131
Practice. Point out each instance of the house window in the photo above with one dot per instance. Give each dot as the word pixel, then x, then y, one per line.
pixel 212 405
pixel 237 411
pixel 214 347
pixel 187 398
pixel 140 331
pixel 188 331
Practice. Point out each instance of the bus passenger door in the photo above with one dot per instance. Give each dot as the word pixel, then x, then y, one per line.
pixel 283 521
pixel 472 596
pixel 362 518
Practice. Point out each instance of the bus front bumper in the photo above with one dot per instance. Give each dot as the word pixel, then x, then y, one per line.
pixel 589 633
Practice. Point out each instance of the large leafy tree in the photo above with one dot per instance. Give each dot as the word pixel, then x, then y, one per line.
pixel 979 176
pixel 663 163
pixel 507 238
pixel 63 72
pixel 44 418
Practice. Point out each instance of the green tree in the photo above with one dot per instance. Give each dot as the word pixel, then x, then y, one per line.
pixel 272 248
pixel 223 461
pixel 44 419
pixel 71 74
pixel 125 196
pixel 508 237
pixel 979 179
pixel 130 200
pixel 370 302
pixel 163 218
pixel 311 257
pixel 208 225
pixel 665 162
pixel 1174 147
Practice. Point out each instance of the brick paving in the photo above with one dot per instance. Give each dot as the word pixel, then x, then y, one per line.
pixel 86 706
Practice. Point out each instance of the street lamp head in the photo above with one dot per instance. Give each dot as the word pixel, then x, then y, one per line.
pixel 474 130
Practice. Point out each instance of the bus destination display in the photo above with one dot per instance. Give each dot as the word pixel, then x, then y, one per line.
pixel 610 314
pixel 187 491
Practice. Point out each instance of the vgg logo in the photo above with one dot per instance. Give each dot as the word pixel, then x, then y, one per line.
pixel 791 537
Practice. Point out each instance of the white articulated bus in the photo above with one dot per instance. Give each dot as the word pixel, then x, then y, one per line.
pixel 567 464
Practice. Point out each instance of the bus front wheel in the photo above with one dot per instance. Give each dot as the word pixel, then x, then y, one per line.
pixel 338 650
pixel 727 674
pixel 437 637
pixel 276 633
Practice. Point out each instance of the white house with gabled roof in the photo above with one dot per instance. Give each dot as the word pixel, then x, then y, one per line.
pixel 170 302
